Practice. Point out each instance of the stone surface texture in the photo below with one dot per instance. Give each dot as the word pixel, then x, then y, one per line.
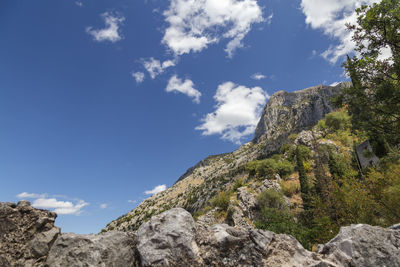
pixel 26 234
pixel 173 238
pixel 168 239
pixel 364 245
pixel 287 112
pixel 111 249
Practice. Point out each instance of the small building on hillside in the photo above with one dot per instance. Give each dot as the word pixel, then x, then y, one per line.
pixel 365 155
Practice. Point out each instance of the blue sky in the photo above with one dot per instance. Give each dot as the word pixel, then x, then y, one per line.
pixel 103 101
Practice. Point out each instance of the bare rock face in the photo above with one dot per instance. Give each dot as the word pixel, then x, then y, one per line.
pixel 112 249
pixel 292 112
pixel 305 138
pixel 26 234
pixel 247 202
pixel 168 239
pixel 364 245
pixel 223 245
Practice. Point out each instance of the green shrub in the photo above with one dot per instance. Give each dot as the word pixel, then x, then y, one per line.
pixel 251 167
pixel 221 200
pixel 285 168
pixel 322 125
pixel 337 121
pixel 267 167
pixel 281 222
pixel 292 137
pixel 308 166
pixel 270 166
pixel 289 188
pixel 239 183
pixel 289 151
pixel 304 152
pixel 271 198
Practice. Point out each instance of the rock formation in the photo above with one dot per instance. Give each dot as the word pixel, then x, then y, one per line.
pixel 173 238
pixel 106 249
pixel 26 234
pixel 286 113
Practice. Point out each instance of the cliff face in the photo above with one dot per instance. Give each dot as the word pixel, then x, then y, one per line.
pixel 286 113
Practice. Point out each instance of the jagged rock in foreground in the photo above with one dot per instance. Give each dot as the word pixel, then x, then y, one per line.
pixel 364 245
pixel 168 239
pixel 112 249
pixel 172 238
pixel 26 234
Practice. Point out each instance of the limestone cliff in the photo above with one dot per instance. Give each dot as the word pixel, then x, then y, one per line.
pixel 286 113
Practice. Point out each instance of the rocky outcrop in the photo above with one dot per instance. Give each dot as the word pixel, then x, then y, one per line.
pixel 364 245
pixel 112 249
pixel 26 234
pixel 223 245
pixel 168 239
pixel 173 238
pixel 286 113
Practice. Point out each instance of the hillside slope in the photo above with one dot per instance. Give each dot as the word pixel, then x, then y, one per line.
pixel 284 114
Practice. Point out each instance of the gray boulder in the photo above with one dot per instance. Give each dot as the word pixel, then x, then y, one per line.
pixel 364 245
pixel 168 239
pixel 223 245
pixel 111 249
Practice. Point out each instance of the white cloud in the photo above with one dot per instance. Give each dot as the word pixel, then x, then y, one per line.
pixel 195 24
pixel 314 53
pixel 156 190
pixel 185 87
pixel 334 83
pixel 139 76
pixel 30 195
pixel 103 206
pixel 258 76
pixel 111 31
pixel 132 201
pixel 269 19
pixel 237 112
pixel 60 207
pixel 330 16
pixel 155 67
pixel 79 3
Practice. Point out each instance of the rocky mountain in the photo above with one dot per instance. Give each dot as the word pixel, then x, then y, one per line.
pixel 29 238
pixel 211 216
pixel 284 114
pixel 287 113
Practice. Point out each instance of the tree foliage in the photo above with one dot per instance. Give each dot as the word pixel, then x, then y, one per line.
pixel 373 101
